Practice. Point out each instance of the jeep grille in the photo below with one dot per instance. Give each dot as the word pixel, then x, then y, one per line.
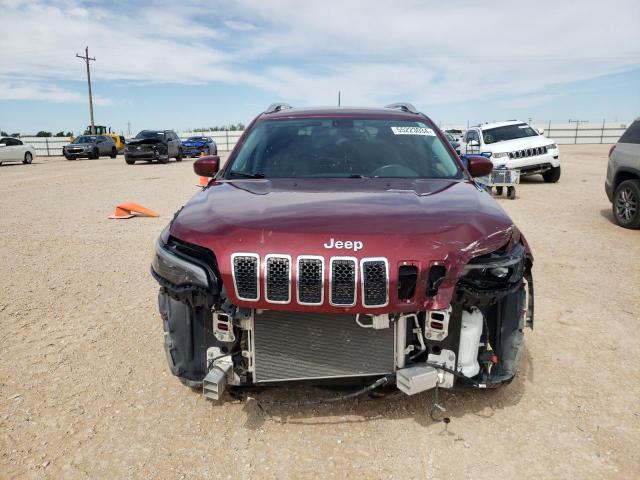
pixel 278 279
pixel 375 283
pixel 310 280
pixel 245 276
pixel 343 281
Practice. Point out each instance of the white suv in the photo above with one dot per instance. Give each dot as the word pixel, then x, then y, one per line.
pixel 516 145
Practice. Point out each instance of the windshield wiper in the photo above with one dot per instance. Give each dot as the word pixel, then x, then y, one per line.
pixel 247 174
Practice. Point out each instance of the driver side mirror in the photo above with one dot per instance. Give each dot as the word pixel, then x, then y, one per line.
pixel 207 166
pixel 478 165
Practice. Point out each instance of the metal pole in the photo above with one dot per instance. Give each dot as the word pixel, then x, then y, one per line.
pixel 226 133
pixel 602 131
pixel 577 122
pixel 87 59
pixel 46 141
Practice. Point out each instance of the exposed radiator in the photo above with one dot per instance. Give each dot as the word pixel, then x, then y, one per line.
pixel 296 346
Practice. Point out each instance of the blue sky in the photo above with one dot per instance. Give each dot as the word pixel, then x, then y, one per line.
pixel 189 64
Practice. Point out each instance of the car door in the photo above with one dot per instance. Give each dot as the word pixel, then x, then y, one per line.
pixel 4 149
pixel 19 149
pixel 13 150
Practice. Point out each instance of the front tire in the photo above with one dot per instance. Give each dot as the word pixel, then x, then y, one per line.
pixel 626 204
pixel 95 154
pixel 179 156
pixel 28 158
pixel 552 176
pixel 114 153
pixel 129 160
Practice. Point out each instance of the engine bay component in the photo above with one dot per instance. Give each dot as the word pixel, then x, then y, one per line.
pixel 447 359
pixel 437 324
pixel 416 379
pixel 220 366
pixel 470 333
pixel 223 327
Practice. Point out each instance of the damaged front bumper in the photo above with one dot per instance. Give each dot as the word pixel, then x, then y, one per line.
pixel 475 341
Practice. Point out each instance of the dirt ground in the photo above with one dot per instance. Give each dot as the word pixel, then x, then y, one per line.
pixel 85 391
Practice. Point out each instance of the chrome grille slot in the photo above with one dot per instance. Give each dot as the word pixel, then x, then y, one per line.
pixel 310 280
pixel 375 282
pixel 277 278
pixel 343 280
pixel 245 271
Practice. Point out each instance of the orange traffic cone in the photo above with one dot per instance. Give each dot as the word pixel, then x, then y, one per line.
pixel 131 209
pixel 203 182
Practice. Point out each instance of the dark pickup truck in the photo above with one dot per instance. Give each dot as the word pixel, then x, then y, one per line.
pixel 343 245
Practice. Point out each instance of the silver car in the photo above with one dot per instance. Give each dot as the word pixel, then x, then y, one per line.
pixel 623 177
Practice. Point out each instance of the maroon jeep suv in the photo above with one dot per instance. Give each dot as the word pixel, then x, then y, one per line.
pixel 343 245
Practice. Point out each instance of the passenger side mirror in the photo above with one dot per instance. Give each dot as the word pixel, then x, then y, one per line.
pixel 207 166
pixel 478 165
pixel 541 131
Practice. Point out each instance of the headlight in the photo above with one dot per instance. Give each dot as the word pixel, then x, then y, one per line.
pixel 553 146
pixel 176 270
pixel 500 155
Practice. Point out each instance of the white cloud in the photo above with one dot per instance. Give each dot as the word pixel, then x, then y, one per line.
pixel 423 51
pixel 45 92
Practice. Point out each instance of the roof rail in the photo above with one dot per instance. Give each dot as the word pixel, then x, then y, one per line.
pixel 404 106
pixel 276 107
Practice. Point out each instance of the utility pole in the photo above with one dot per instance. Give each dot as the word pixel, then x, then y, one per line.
pixel 338 97
pixel 577 122
pixel 129 129
pixel 87 59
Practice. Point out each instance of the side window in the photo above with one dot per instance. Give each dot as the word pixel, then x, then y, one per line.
pixel 18 142
pixel 12 142
pixel 632 134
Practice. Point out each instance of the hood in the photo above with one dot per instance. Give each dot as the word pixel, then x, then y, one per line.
pixel 144 141
pixel 84 144
pixel 519 144
pixel 415 221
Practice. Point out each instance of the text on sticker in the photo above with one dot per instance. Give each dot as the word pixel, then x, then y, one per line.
pixel 413 131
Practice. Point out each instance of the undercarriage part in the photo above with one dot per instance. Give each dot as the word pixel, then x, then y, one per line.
pixel 447 360
pixel 311 346
pixel 416 379
pixel 325 401
pixel 215 382
pixel 470 333
pixel 437 324
pixel 401 341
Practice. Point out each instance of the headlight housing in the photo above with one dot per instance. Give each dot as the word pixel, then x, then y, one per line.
pixel 552 146
pixel 175 270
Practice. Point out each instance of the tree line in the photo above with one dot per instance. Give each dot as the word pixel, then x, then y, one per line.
pixel 222 128
pixel 41 133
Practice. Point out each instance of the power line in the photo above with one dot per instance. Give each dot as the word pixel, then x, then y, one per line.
pixel 88 59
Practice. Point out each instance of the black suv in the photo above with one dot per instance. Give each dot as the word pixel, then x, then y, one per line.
pixel 151 145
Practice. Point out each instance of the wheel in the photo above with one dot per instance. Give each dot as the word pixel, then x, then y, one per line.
pixel 163 159
pixel 626 204
pixel 552 176
pixel 179 156
pixel 129 160
pixel 114 153
pixel 499 191
pixel 95 154
pixel 28 158
pixel 511 193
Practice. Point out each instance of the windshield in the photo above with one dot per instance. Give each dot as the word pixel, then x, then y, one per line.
pixel 85 139
pixel 150 134
pixel 508 132
pixel 343 148
pixel 197 139
pixel 450 137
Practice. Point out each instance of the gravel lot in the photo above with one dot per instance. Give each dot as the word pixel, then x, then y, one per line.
pixel 85 391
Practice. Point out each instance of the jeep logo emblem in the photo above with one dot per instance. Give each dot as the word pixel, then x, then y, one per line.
pixel 354 245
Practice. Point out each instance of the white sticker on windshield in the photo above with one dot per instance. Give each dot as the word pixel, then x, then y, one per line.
pixel 413 131
pixel 523 126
